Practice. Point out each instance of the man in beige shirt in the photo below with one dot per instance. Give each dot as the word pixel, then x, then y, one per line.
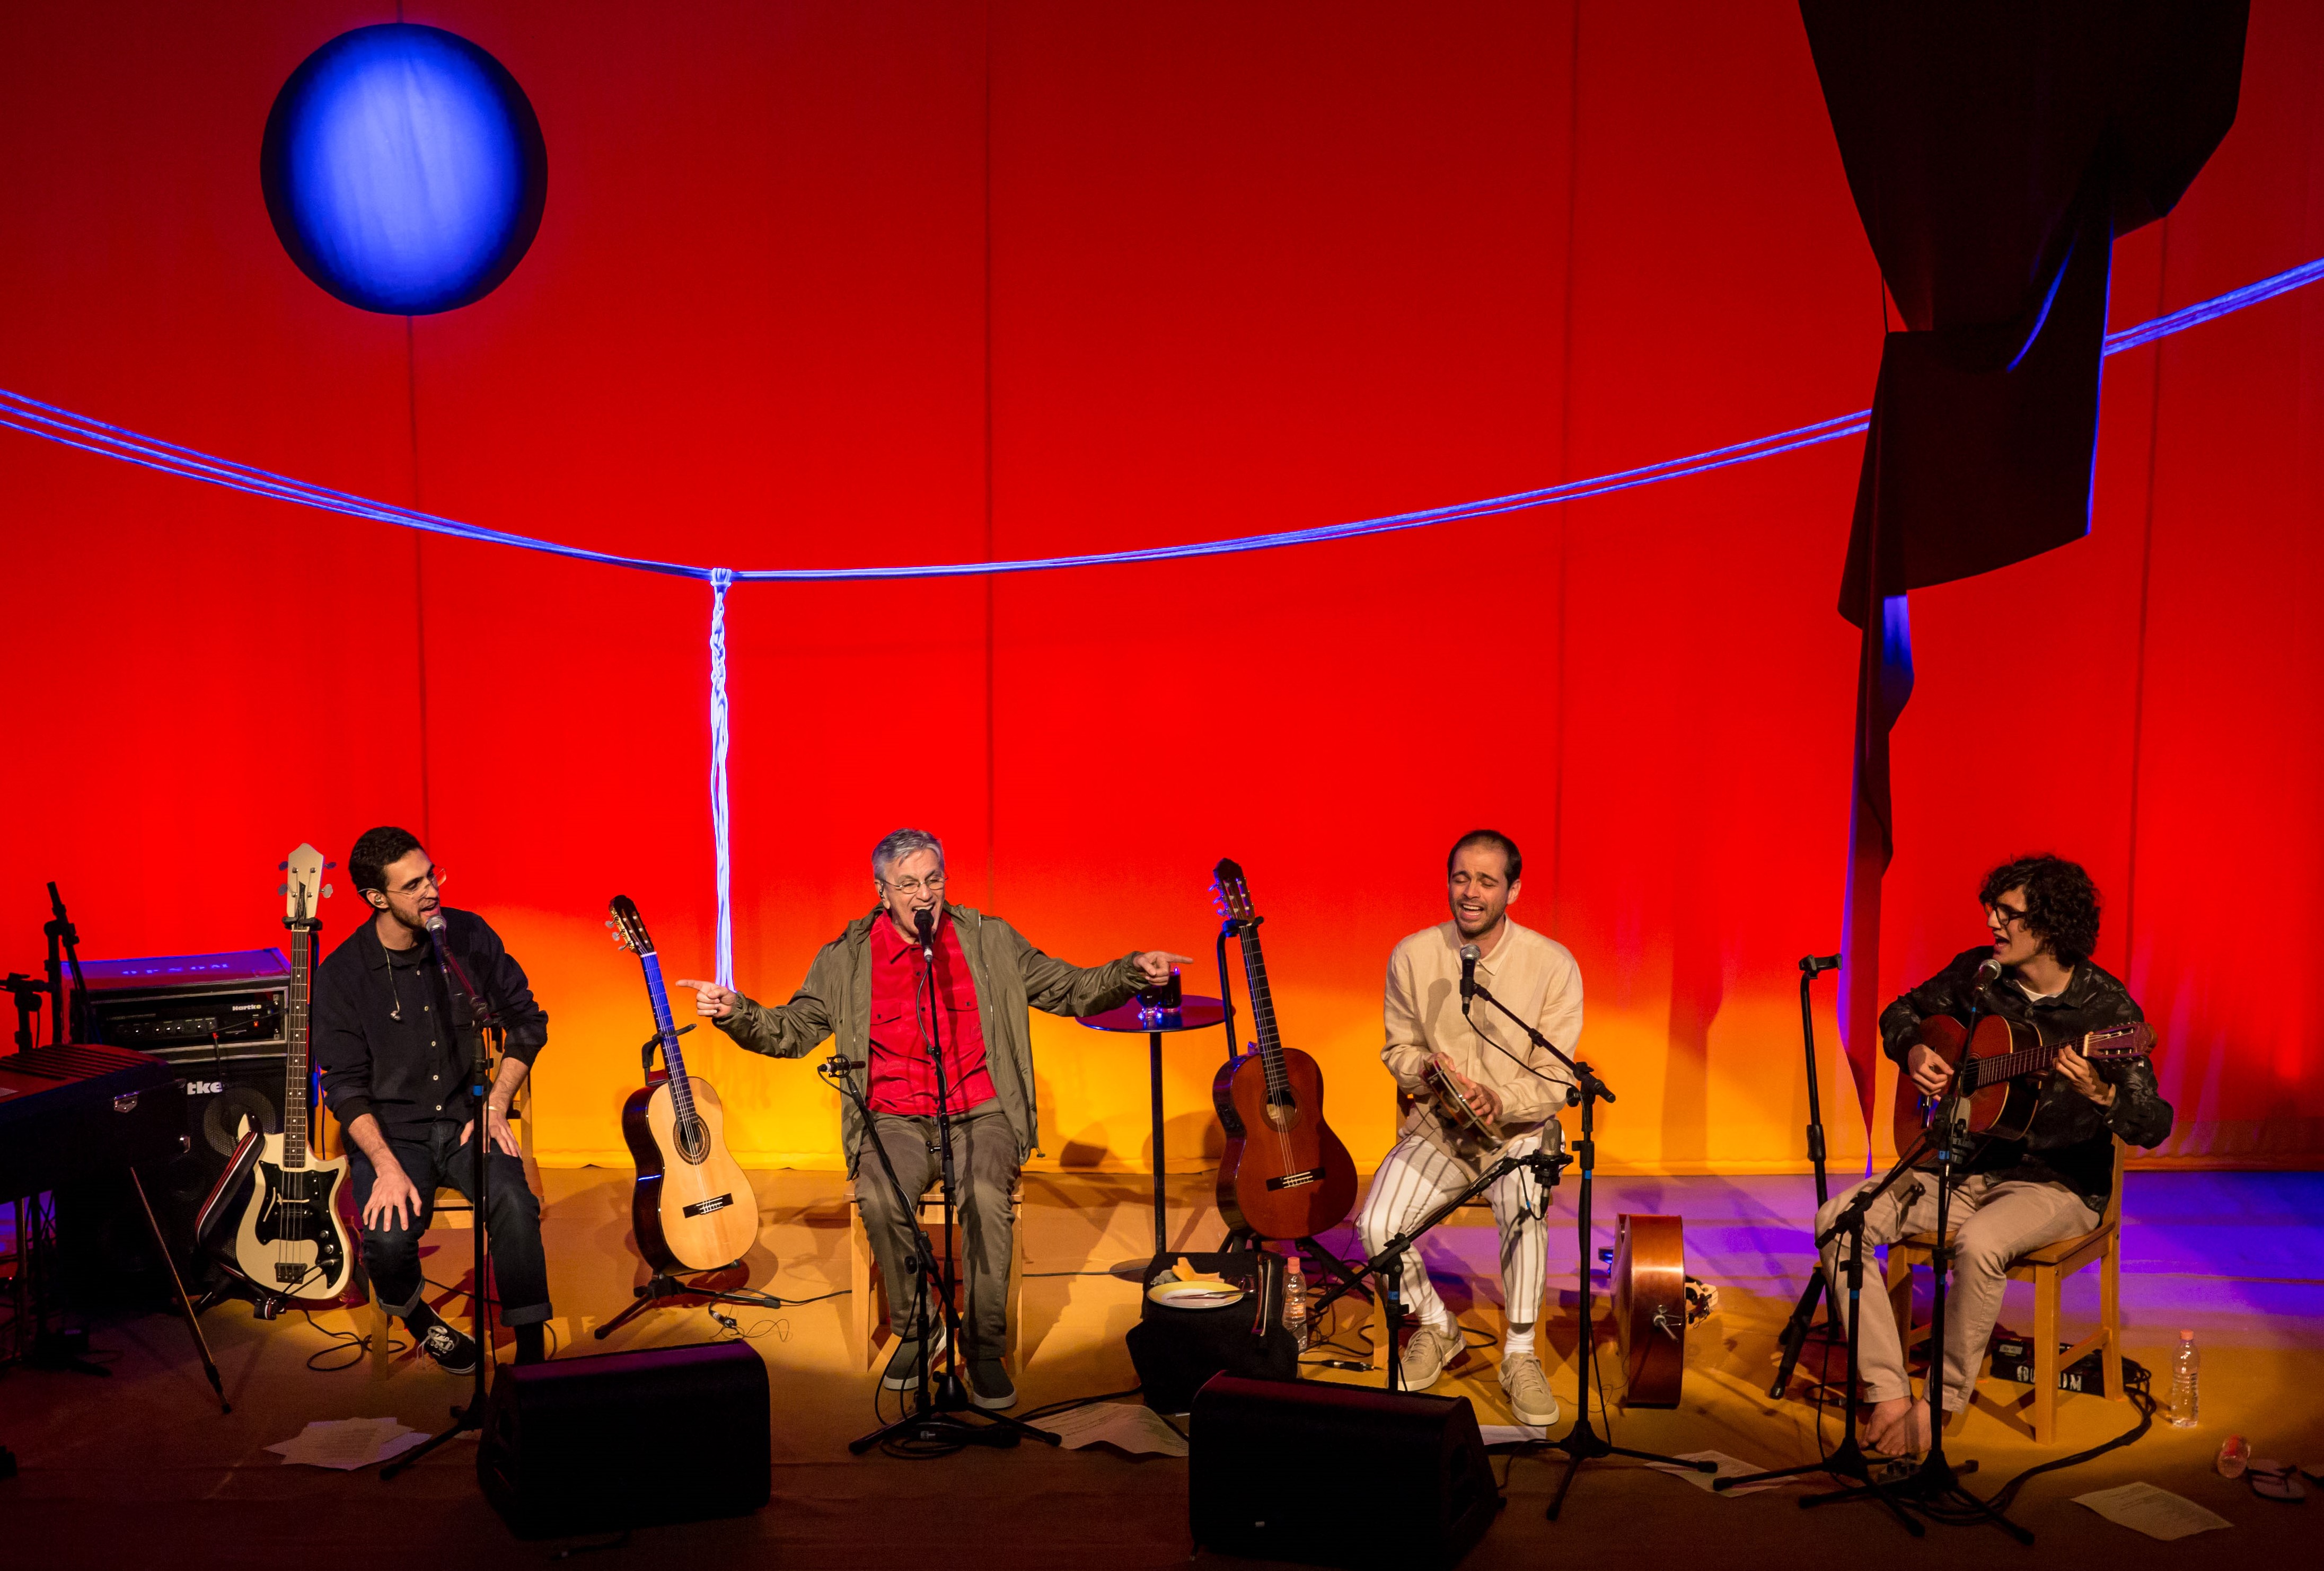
pixel 1514 1086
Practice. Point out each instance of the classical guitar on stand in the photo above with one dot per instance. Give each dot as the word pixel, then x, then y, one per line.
pixel 290 1241
pixel 692 1210
pixel 2003 1069
pixel 1284 1174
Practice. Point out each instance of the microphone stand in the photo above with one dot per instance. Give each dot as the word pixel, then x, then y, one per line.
pixel 473 1018
pixel 1848 1459
pixel 940 1414
pixel 1582 1442
pixel 1798 1329
pixel 1935 1486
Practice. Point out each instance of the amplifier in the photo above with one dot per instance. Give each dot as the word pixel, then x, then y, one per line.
pixel 192 1008
pixel 2013 1359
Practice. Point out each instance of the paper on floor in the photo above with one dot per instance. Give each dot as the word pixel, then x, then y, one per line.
pixel 1510 1434
pixel 1729 1468
pixel 2157 1512
pixel 1130 1426
pixel 347 1443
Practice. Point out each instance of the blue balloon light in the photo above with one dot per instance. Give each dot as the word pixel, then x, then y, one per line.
pixel 404 170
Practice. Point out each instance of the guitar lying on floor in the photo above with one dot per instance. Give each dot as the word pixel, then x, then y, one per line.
pixel 2004 1067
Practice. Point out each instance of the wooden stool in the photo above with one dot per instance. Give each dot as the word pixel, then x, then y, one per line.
pixel 867 1301
pixel 2047 1269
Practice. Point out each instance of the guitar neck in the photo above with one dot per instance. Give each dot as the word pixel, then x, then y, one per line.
pixel 1262 1010
pixel 294 1062
pixel 681 1090
pixel 2098 1046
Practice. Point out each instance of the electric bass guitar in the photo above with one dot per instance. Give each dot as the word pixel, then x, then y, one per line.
pixel 290 1242
pixel 1285 1174
pixel 692 1210
pixel 2003 1067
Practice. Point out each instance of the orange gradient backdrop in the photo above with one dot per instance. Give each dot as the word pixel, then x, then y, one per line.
pixel 822 283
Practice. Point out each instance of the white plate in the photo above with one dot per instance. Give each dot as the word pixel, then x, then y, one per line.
pixel 1196 1295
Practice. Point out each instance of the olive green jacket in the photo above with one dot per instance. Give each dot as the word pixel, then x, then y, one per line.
pixel 1012 977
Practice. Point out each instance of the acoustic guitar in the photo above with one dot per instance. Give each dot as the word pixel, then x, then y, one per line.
pixel 1284 1174
pixel 2002 1069
pixel 289 1240
pixel 692 1209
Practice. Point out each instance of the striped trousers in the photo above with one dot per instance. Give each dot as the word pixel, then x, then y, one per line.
pixel 1416 1179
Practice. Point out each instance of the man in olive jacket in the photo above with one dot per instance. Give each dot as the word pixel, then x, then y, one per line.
pixel 873 991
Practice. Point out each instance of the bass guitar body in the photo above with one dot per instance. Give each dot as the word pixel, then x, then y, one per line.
pixel 290 1241
pixel 1286 1175
pixel 692 1209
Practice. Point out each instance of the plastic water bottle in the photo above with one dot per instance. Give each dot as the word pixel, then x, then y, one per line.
pixel 1294 1302
pixel 2185 1365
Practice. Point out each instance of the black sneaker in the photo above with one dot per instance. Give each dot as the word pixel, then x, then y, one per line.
pixel 903 1371
pixel 989 1387
pixel 453 1352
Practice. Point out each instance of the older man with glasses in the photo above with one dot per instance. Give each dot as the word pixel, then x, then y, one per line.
pixel 867 991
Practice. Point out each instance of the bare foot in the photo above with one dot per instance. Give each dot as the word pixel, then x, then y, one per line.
pixel 1899 1428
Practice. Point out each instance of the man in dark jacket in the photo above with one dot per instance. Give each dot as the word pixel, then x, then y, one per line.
pixel 869 991
pixel 2018 1194
pixel 397 1076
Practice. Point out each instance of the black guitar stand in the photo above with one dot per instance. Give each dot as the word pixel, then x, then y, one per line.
pixel 474 1019
pixel 1800 1330
pixel 938 1420
pixel 1583 1443
pixel 662 1285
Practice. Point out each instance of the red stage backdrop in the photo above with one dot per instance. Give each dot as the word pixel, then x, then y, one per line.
pixel 824 283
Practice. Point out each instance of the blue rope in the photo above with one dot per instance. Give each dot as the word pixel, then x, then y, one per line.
pixel 720 579
pixel 64 426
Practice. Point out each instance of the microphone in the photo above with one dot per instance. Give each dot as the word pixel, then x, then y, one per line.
pixel 1469 957
pixel 1987 972
pixel 842 1064
pixel 1813 964
pixel 925 922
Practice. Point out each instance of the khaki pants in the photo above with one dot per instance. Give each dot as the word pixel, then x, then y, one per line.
pixel 1993 1225
pixel 984 1164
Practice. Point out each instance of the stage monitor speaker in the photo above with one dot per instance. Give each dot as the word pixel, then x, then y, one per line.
pixel 101 1234
pixel 1336 1474
pixel 623 1440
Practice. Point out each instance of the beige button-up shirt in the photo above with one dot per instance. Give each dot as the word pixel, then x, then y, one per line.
pixel 1534 975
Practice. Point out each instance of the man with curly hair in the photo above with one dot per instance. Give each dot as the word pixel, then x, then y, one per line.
pixel 2017 1195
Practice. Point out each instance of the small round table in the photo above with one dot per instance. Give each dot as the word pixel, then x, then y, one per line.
pixel 1193 1014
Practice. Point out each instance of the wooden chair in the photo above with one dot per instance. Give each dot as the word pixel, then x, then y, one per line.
pixel 2047 1268
pixel 867 1301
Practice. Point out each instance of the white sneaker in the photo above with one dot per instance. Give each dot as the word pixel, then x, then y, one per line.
pixel 1528 1389
pixel 1427 1352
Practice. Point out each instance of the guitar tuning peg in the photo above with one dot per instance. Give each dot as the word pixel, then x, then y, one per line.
pixel 281 866
pixel 283 888
pixel 328 866
pixel 326 888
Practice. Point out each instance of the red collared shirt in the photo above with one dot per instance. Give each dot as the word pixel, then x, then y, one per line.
pixel 903 1078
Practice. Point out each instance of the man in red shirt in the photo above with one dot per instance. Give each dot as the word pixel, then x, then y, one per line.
pixel 870 990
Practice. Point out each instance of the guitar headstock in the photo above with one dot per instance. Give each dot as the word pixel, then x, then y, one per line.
pixel 1229 892
pixel 2131 1039
pixel 302 888
pixel 629 927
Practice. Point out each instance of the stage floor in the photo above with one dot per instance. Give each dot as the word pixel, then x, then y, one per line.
pixel 141 1468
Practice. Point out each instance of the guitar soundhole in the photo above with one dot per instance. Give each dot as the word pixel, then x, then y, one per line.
pixel 693 1139
pixel 1282 1114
